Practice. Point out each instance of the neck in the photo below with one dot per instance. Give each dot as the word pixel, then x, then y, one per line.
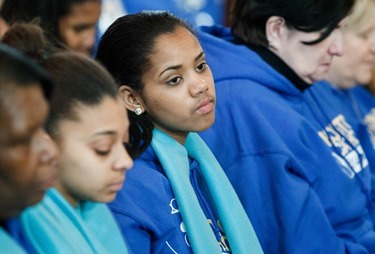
pixel 179 136
pixel 280 66
pixel 70 198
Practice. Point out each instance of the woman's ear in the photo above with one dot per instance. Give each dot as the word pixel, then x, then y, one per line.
pixel 276 32
pixel 130 98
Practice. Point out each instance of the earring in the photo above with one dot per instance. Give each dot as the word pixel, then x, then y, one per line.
pixel 138 111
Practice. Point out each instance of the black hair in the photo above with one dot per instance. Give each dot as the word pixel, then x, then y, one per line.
pixel 249 17
pixel 78 79
pixel 29 39
pixel 16 69
pixel 47 12
pixel 125 50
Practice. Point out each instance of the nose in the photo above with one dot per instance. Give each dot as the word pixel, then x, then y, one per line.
pixel 48 149
pixel 199 85
pixel 337 46
pixel 124 161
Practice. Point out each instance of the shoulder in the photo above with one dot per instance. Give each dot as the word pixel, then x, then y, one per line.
pixel 145 187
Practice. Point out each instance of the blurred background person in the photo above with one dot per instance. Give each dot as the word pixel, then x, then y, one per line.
pixel 27 153
pixel 90 131
pixel 309 196
pixel 67 23
pixel 342 99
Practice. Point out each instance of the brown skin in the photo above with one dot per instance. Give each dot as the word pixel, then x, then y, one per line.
pixel 27 152
pixel 179 92
pixel 93 159
pixel 3 27
pixel 78 29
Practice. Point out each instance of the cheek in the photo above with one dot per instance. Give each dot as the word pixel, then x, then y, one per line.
pixel 210 81
pixel 163 105
pixel 21 163
pixel 68 36
pixel 71 163
pixel 71 39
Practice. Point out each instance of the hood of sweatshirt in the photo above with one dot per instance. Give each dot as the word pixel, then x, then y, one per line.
pixel 217 42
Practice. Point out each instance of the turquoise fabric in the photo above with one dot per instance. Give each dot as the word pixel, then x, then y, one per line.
pixel 8 245
pixel 54 226
pixel 237 226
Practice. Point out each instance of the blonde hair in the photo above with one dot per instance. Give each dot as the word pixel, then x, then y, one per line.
pixel 363 11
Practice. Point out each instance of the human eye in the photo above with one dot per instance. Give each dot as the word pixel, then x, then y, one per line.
pixel 363 35
pixel 102 148
pixel 102 152
pixel 80 28
pixel 174 81
pixel 366 35
pixel 25 140
pixel 201 67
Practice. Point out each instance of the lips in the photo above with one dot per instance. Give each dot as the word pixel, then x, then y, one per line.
pixel 117 185
pixel 205 106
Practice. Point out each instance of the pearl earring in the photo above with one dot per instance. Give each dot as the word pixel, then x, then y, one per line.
pixel 138 111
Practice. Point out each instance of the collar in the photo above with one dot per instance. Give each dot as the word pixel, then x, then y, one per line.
pixel 277 63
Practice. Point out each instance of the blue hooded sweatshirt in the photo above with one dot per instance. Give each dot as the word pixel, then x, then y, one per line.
pixel 147 212
pixel 341 119
pixel 363 103
pixel 297 195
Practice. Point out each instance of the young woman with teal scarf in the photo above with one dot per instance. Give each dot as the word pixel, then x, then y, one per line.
pixel 89 125
pixel 177 198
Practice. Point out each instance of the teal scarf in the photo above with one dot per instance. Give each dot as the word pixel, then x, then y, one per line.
pixel 8 245
pixel 54 226
pixel 237 226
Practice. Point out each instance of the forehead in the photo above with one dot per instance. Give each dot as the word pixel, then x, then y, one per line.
pixel 108 116
pixel 181 36
pixel 171 46
pixel 22 110
pixel 87 11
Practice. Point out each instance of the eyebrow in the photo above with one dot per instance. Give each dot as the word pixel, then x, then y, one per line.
pixel 175 67
pixel 104 133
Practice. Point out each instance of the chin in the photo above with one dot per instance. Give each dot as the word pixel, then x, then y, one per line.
pixel 107 198
pixel 204 126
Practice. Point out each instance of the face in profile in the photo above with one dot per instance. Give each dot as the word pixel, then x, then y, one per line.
pixel 78 28
pixel 355 66
pixel 27 153
pixel 93 158
pixel 179 91
pixel 310 62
